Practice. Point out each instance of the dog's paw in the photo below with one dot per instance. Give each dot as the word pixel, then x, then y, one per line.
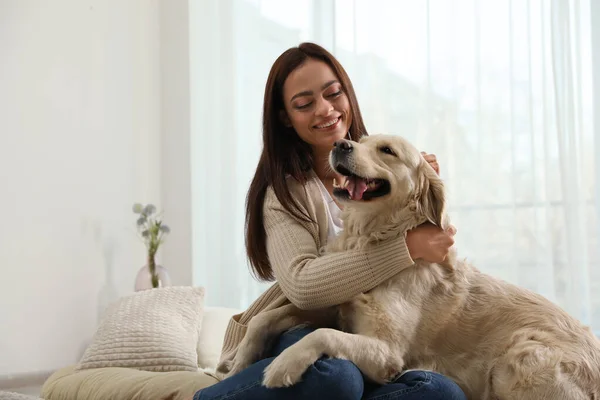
pixel 277 376
pixel 287 369
pixel 248 353
pixel 236 368
pixel 239 363
pixel 390 375
pixel 223 369
pixel 385 372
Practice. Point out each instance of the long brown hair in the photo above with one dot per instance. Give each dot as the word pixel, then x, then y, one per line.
pixel 284 152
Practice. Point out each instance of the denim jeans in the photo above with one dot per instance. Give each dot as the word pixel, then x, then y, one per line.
pixel 330 379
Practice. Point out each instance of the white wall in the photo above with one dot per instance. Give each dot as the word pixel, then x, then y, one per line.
pixel 81 118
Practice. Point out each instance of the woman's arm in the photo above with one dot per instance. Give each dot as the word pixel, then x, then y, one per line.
pixel 310 280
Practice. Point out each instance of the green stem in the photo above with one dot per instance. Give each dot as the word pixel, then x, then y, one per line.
pixel 152 268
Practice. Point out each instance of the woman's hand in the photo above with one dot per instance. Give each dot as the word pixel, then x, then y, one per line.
pixel 432 160
pixel 430 243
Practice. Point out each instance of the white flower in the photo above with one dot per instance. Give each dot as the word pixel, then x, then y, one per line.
pixel 137 208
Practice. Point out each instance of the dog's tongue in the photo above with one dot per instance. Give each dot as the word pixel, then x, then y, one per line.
pixel 356 187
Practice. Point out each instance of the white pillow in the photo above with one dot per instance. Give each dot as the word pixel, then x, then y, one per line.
pixel 211 338
pixel 151 330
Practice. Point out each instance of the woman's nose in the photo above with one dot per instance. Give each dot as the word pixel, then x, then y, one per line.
pixel 324 107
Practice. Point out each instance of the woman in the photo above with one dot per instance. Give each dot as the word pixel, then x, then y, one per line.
pixel 309 103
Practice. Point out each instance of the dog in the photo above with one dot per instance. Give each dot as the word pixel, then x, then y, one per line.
pixel 494 339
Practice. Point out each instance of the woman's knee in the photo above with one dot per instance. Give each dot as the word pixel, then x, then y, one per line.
pixel 436 385
pixel 333 378
pixel 289 338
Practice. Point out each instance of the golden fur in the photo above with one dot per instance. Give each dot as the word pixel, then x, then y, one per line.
pixel 495 339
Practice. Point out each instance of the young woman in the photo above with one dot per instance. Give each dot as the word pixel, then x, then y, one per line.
pixel 310 103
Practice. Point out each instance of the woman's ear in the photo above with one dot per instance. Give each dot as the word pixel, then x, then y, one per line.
pixel 285 119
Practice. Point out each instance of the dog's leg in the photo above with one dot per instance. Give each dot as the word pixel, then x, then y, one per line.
pixel 374 357
pixel 530 370
pixel 561 389
pixel 267 326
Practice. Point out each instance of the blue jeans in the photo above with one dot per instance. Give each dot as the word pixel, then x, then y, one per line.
pixel 330 379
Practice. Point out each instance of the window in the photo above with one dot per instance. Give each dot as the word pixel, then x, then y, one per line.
pixel 499 91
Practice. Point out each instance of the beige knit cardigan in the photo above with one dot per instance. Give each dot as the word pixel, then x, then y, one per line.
pixel 304 277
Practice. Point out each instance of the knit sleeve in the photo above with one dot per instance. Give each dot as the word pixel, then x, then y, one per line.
pixel 310 280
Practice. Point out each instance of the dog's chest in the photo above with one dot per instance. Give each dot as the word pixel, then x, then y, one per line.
pixel 410 287
pixel 393 308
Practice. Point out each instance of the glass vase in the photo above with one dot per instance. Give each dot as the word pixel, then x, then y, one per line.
pixel 143 280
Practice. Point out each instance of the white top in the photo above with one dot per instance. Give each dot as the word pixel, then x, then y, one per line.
pixel 333 213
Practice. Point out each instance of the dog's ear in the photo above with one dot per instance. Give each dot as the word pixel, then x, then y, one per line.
pixel 431 197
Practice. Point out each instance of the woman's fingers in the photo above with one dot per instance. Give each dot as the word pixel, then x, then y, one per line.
pixel 432 160
pixel 429 157
pixel 451 230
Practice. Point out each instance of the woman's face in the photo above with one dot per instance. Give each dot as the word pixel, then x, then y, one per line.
pixel 316 105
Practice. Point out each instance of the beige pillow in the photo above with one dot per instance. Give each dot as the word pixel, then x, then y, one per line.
pixel 152 330
pixel 123 384
pixel 210 341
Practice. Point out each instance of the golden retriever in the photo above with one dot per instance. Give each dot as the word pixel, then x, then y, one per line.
pixel 494 339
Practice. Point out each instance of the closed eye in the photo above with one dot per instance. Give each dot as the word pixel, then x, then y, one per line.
pixel 387 150
pixel 304 106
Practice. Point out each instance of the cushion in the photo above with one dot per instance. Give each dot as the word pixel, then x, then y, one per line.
pixel 16 396
pixel 210 341
pixel 151 330
pixel 123 384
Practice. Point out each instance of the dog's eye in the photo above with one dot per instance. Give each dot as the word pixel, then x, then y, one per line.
pixel 387 150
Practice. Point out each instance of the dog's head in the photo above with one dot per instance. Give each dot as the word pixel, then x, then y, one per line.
pixel 385 174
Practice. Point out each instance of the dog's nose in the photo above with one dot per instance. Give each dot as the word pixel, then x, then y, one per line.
pixel 343 145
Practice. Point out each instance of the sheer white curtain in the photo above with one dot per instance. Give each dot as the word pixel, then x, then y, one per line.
pixel 500 91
